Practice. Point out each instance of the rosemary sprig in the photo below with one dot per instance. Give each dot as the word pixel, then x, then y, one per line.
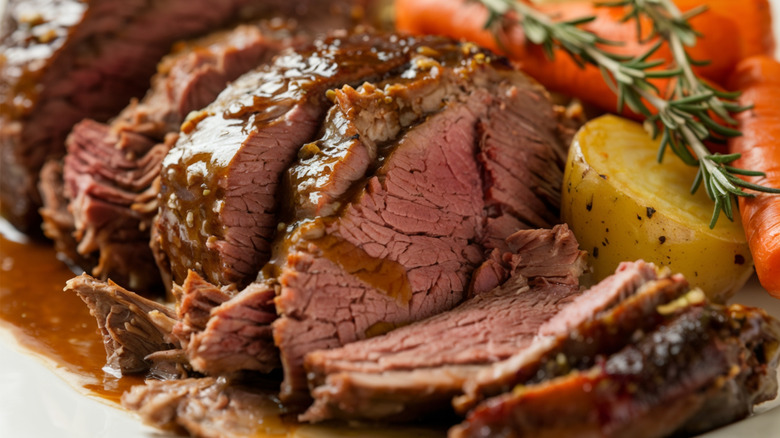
pixel 683 118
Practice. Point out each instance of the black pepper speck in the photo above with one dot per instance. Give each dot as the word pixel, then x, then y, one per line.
pixel 650 212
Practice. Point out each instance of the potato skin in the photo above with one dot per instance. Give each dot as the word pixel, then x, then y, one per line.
pixel 622 205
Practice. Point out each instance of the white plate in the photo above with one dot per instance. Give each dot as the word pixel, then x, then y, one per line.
pixel 35 402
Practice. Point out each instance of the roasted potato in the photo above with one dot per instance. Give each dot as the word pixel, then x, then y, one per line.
pixel 623 205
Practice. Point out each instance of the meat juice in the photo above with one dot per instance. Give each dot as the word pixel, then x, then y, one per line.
pixel 51 323
pixel 57 327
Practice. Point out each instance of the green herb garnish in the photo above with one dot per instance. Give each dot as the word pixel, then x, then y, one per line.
pixel 684 118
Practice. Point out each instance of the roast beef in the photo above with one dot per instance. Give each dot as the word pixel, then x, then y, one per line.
pixel 599 322
pixel 433 154
pixel 65 60
pixel 133 327
pixel 220 408
pixel 419 368
pixel 214 330
pixel 219 184
pixel 109 170
pixel 57 220
pixel 237 335
pixel 392 219
pixel 705 366
pixel 544 331
pixel 195 299
pixel 364 125
pixel 207 407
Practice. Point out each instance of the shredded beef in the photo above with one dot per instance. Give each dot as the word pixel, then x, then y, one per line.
pixel 133 327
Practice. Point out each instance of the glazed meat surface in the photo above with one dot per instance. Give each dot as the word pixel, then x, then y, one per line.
pixel 66 60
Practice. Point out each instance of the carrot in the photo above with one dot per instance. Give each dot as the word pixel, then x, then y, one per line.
pixel 759 80
pixel 753 19
pixel 465 20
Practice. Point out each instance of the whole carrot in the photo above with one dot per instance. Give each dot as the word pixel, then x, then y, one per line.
pixel 465 20
pixel 752 17
pixel 759 80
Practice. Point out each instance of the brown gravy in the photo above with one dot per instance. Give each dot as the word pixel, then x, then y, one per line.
pixel 64 332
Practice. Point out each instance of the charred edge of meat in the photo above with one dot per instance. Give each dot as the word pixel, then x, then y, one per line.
pixel 69 62
pixel 599 322
pixel 664 383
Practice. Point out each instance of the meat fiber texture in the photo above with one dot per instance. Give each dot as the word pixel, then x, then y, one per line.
pixel 460 152
pixel 419 368
pixel 132 327
pixel 206 407
pixel 420 212
pixel 102 219
pixel 66 60
pixel 219 184
pixel 600 321
pixel 640 354
pixel 510 335
pixel 705 366
pixel 222 331
pixel 213 330
pixel 395 201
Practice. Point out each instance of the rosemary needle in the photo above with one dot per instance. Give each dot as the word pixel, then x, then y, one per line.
pixel 684 118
